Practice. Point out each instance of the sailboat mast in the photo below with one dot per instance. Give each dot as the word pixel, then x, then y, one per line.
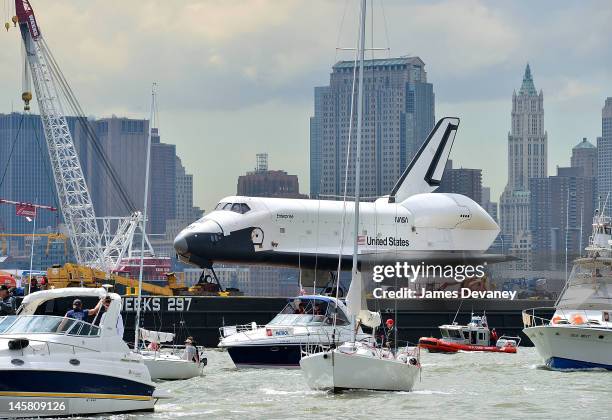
pixel 361 52
pixel 144 219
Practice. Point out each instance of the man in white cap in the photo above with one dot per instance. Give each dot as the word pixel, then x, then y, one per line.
pixel 191 352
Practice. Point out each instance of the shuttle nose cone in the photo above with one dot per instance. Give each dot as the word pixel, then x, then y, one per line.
pixel 180 244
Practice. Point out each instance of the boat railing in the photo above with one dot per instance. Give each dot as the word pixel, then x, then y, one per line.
pixel 228 330
pixel 23 344
pixel 569 317
pixel 509 340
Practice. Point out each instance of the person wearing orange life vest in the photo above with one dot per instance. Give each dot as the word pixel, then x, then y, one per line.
pixel 493 336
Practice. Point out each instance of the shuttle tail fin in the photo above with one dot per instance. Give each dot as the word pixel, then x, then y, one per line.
pixel 424 172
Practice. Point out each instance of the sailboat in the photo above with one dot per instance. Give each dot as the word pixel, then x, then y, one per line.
pixel 357 364
pixel 161 365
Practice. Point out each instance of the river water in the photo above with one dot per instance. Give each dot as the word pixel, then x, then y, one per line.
pixel 457 386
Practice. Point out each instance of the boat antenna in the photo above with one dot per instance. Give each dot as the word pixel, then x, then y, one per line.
pixel 458 309
pixel 581 221
pixel 144 214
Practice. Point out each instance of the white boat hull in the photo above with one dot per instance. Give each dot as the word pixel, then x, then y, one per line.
pixel 336 370
pixel 169 368
pixel 572 347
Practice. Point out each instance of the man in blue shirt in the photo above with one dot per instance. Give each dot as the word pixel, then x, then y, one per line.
pixel 77 311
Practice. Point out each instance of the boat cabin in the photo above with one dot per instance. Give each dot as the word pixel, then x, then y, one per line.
pixel 311 310
pixel 44 312
pixel 476 332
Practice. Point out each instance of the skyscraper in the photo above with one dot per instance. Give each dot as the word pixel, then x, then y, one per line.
pixel 527 158
pixel 263 182
pixel 25 171
pixel 463 181
pixel 487 204
pixel 584 155
pixel 398 116
pixel 124 141
pixel 29 177
pixel 562 207
pixel 604 152
pixel 162 196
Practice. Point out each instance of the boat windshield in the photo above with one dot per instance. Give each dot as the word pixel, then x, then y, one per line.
pixel 45 324
pixel 310 312
pixel 451 333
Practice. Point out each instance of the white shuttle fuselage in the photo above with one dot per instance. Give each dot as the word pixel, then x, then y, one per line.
pixel 411 224
pixel 308 233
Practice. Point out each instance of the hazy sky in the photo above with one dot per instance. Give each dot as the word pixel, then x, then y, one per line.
pixel 236 77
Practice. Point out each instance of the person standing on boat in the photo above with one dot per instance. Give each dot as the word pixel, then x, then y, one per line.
pixel 7 302
pixel 191 351
pixel 77 311
pixel 390 335
pixel 106 304
pixel 493 337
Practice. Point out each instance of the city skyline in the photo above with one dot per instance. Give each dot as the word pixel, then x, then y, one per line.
pixel 242 74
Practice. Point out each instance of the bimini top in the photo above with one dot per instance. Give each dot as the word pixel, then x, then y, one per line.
pixel 34 300
pixel 316 297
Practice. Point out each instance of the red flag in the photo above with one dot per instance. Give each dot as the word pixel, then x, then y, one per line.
pixel 25 210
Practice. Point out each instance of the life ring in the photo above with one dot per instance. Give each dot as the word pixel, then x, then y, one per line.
pixel 577 319
pixel 556 319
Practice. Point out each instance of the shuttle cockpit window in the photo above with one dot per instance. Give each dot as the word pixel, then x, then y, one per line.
pixel 240 208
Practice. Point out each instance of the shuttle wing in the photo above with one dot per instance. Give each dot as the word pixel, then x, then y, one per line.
pixel 424 173
pixel 368 260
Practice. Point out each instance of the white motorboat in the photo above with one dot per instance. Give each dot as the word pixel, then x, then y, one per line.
pixel 305 322
pixel 579 334
pixel 165 363
pixel 355 365
pixel 51 365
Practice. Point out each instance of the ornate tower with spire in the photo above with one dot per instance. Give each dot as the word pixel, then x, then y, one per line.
pixel 527 158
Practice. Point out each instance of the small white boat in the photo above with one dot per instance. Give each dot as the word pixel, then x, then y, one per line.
pixel 164 363
pixel 361 366
pixel 56 366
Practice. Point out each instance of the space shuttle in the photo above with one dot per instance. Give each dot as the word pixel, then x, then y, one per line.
pixel 411 224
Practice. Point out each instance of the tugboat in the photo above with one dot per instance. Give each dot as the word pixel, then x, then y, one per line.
pixel 475 336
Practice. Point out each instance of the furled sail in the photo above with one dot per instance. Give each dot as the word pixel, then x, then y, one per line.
pixel 156 336
pixel 357 305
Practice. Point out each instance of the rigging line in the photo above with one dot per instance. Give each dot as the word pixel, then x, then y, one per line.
pixel 8 161
pixel 340 30
pixel 74 104
pixel 382 7
pixel 346 172
pixel 90 135
pixel 348 153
